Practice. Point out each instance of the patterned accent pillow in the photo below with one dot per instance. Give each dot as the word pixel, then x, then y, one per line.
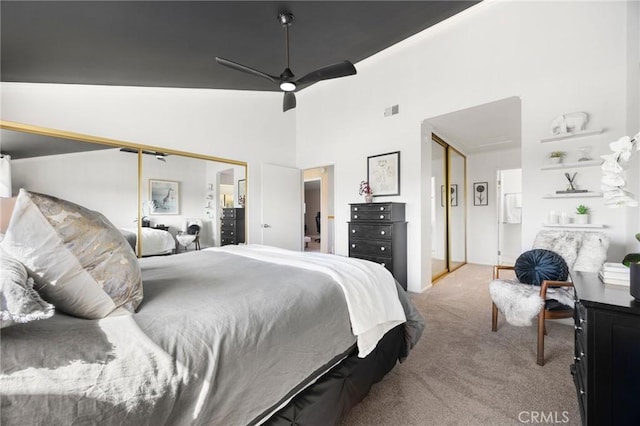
pixel 535 266
pixel 80 261
pixel 19 302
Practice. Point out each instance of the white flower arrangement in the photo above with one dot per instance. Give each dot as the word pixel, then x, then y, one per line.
pixel 613 167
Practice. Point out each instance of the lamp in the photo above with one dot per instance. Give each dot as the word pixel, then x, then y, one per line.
pixel 5 176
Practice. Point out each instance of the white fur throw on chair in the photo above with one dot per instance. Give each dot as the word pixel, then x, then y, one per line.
pixel 520 303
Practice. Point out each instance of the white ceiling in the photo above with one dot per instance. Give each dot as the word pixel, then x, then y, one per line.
pixel 493 126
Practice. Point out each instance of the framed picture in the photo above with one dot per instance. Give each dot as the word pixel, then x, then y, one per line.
pixel 165 196
pixel 383 174
pixel 480 194
pixel 454 194
pixel 242 192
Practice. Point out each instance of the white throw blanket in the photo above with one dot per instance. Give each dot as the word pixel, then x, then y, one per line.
pixel 521 303
pixel 369 289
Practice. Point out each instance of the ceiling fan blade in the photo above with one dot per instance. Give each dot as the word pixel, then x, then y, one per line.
pixel 245 69
pixel 341 69
pixel 289 101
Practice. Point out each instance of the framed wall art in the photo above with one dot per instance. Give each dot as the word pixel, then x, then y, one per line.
pixel 480 194
pixel 454 195
pixel 383 174
pixel 165 196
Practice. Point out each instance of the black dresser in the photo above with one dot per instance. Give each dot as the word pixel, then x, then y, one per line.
pixel 378 232
pixel 606 368
pixel 232 226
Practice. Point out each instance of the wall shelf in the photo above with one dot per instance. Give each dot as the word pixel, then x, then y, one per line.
pixel 590 194
pixel 573 225
pixel 590 163
pixel 571 135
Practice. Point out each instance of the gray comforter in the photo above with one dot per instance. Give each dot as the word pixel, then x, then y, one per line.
pixel 219 339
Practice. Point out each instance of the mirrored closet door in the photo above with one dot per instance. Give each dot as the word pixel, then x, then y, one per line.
pixel 448 208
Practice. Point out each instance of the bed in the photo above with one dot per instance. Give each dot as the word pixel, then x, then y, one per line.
pixel 155 242
pixel 223 336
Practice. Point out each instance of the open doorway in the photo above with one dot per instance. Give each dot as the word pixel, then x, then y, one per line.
pixel 318 210
pixel 312 215
pixel 509 192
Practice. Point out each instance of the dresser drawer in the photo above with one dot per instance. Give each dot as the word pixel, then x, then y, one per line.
pixel 227 240
pixel 361 230
pixel 228 232
pixel 387 262
pixel 385 212
pixel 369 247
pixel 229 213
pixel 228 223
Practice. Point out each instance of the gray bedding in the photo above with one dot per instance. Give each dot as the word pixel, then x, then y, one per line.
pixel 219 339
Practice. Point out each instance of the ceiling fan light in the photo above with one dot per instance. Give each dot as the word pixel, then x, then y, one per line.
pixel 287 86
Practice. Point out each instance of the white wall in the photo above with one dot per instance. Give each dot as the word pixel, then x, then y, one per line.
pixel 240 125
pixel 557 57
pixel 482 221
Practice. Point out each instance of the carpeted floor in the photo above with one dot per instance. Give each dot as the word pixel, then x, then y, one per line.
pixel 461 373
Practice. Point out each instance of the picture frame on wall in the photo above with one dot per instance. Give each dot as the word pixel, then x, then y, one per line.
pixel 454 195
pixel 480 194
pixel 165 196
pixel 383 174
pixel 242 192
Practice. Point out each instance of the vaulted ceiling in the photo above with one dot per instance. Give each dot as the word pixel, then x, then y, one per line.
pixel 174 43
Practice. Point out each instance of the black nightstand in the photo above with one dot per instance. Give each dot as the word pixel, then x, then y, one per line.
pixel 162 227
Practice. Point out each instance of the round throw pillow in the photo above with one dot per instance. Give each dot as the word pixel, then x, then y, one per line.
pixel 535 266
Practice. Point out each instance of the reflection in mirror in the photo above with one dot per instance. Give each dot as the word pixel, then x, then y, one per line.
pixel 438 210
pixel 105 177
pixel 457 212
pixel 54 166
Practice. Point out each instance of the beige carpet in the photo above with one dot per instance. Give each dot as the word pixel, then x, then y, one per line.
pixel 461 373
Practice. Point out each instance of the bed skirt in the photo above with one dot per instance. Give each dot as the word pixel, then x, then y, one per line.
pixel 330 398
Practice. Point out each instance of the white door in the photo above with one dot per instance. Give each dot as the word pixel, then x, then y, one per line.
pixel 282 207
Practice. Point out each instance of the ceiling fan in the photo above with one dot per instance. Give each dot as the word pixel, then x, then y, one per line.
pixel 287 80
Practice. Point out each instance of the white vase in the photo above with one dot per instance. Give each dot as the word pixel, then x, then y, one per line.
pixel 582 219
pixel 368 198
pixel 555 160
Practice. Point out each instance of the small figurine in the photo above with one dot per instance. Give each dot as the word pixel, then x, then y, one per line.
pixel 571 187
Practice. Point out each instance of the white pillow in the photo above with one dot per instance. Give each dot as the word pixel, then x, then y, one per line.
pixel 593 252
pixel 19 302
pixel 80 261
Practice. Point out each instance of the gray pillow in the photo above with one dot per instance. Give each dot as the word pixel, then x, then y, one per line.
pixel 80 262
pixel 19 302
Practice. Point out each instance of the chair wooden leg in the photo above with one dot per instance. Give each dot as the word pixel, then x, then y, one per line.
pixel 494 317
pixel 541 333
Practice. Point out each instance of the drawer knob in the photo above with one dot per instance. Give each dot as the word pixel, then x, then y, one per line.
pixel 355 209
pixel 576 358
pixel 577 328
pixel 582 320
pixel 381 209
pixel 381 216
pixel 383 264
pixel 355 216
pixel 232 233
pixel 582 392
pixel 353 246
pixel 381 248
pixel 383 232
pixel 353 231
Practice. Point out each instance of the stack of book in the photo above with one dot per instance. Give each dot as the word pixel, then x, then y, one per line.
pixel 614 274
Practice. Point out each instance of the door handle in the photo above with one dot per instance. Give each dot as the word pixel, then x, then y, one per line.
pixel 266 225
